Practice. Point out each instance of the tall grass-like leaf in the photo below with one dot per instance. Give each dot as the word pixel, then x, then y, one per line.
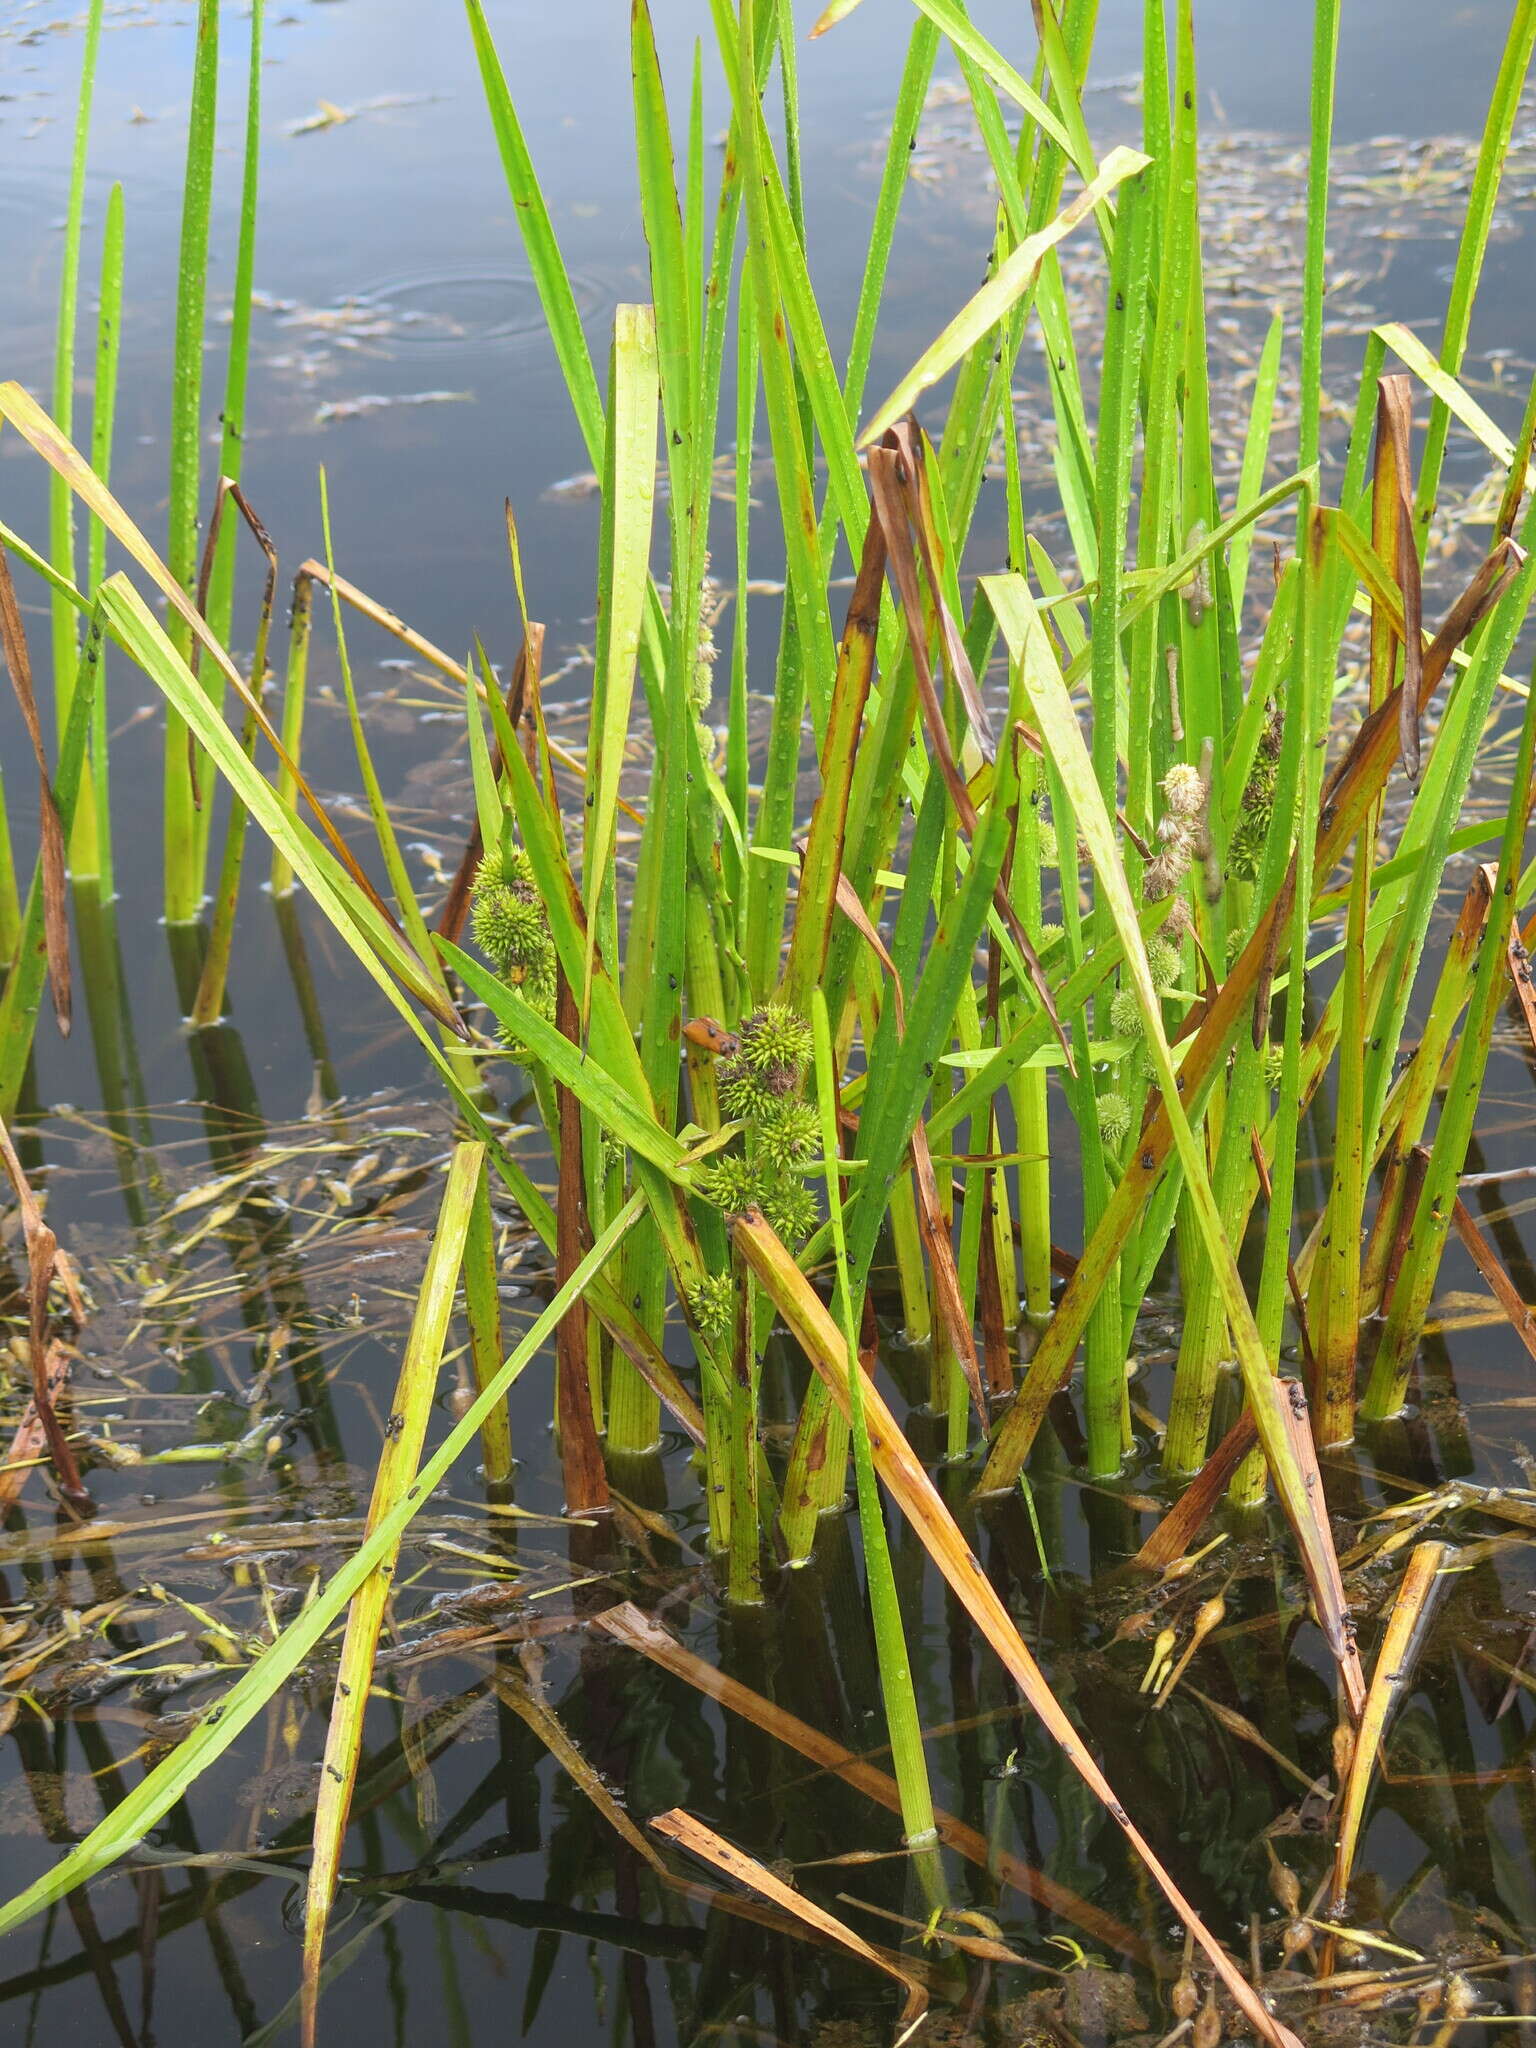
pixel 905 120
pixel 629 487
pixel 1065 130
pixel 159 1790
pixel 61 504
pixel 672 926
pixel 901 1061
pixel 1057 722
pixel 183 836
pixel 787 427
pixel 209 1003
pixel 1170 386
pixel 1410 1298
pixel 598 1089
pixel 352 910
pixel 51 831
pixel 295 695
pixel 414 923
pixel 550 277
pixel 1325 60
pixel 1311 692
pixel 399 1457
pixel 822 864
pixel 1335 1297
pixel 1261 413
pixel 1493 150
pixel 482 1311
pixel 1014 276
pixel 1104 1387
pixel 109 332
pixel 1448 392
pixel 815 379
pixel 221 588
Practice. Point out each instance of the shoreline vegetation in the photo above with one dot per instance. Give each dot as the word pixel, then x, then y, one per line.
pixel 1099 868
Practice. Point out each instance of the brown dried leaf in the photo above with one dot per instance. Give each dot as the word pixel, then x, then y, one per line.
pixel 1393 1665
pixel 1393 506
pixel 43 1259
pixel 1522 1316
pixel 1319 1558
pixel 680 1827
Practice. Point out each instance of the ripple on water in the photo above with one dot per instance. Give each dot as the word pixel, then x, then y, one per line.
pixel 464 311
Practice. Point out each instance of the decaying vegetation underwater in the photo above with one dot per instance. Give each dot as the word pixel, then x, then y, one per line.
pixel 1091 871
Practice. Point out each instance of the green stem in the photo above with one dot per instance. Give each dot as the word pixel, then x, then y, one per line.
pixel 183 831
pixel 61 501
pixel 896 1690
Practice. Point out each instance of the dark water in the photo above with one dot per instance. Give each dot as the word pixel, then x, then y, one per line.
pixel 491 1901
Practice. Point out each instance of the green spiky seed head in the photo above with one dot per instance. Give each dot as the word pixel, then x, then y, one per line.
pixel 509 931
pixel 532 973
pixel 1274 1059
pixel 787 1132
pixel 1163 959
pixel 1049 934
pixel 1259 789
pixel 511 869
pixel 790 1208
pixel 1114 1120
pixel 731 1183
pixel 744 1094
pixel 776 1037
pixel 1245 849
pixel 506 916
pixel 1125 1015
pixel 712 1304
pixel 1048 850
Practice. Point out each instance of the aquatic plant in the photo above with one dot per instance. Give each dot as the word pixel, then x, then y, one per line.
pixel 1075 845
